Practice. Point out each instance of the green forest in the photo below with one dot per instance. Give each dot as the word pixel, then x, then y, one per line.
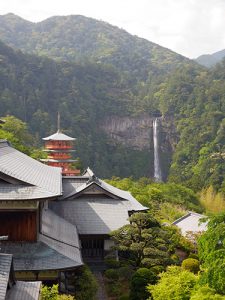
pixel 90 72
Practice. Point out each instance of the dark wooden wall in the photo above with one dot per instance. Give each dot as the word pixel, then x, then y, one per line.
pixel 19 226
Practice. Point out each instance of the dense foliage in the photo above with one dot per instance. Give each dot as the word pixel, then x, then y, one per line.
pixel 174 284
pixel 167 201
pixel 113 73
pixel 51 293
pixel 212 253
pixel 145 243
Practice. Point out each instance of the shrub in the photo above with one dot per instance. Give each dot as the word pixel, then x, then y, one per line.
pixel 206 293
pixel 193 255
pixel 139 281
pixel 125 272
pixel 190 264
pixel 51 293
pixel 112 274
pixel 175 283
pixel 112 263
pixel 85 284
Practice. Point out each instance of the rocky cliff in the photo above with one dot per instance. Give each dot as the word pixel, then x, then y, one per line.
pixel 136 133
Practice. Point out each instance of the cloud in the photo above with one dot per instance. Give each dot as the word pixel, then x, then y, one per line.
pixel 189 27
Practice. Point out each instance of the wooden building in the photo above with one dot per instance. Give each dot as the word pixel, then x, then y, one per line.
pixel 56 222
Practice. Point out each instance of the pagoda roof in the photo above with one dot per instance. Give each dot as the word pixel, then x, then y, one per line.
pixel 26 178
pixel 58 136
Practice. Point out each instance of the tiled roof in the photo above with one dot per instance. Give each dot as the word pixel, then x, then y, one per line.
pixel 5 266
pixel 70 184
pixel 93 215
pixel 191 223
pixel 22 192
pixel 24 290
pixel 58 246
pixel 39 256
pixel 76 187
pixel 58 136
pixel 59 229
pixel 17 165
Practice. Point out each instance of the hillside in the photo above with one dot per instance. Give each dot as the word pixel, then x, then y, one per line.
pixel 108 98
pixel 77 38
pixel 210 60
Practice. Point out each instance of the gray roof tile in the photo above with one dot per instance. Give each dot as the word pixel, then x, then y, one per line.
pixel 30 171
pixel 191 223
pixel 59 229
pixel 5 266
pixel 37 256
pixel 58 136
pixel 93 216
pixel 24 290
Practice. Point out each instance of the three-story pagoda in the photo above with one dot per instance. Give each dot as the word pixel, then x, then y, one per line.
pixel 59 147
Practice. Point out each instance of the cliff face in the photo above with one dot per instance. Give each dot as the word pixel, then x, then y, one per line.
pixel 137 133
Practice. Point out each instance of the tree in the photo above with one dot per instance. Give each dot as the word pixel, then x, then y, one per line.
pixel 174 284
pixel 144 241
pixel 212 253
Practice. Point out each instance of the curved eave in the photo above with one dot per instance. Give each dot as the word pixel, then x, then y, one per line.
pixel 59 150
pixel 59 160
pixel 58 136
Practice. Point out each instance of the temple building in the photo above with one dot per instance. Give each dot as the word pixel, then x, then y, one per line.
pixel 59 147
pixel 55 218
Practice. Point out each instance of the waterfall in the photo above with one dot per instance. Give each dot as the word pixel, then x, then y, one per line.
pixel 157 170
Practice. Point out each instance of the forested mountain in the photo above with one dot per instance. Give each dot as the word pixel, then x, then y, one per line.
pixel 80 39
pixel 210 60
pixel 112 77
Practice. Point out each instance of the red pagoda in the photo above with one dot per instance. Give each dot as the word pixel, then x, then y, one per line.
pixel 60 147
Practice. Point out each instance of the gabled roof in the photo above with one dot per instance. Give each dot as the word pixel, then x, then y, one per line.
pixel 91 215
pixel 191 223
pixel 5 266
pixel 78 187
pixel 58 136
pixel 39 180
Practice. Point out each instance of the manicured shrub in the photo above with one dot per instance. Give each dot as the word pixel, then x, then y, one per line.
pixel 125 272
pixel 141 278
pixel 85 284
pixel 112 263
pixel 112 274
pixel 190 264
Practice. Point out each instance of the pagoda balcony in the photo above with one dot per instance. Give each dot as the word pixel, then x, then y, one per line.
pixel 54 146
pixel 59 156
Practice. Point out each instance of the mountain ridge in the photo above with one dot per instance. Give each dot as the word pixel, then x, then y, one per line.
pixel 210 60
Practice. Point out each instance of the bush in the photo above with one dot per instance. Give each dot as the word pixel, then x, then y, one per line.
pixel 190 264
pixel 85 285
pixel 112 263
pixel 125 272
pixel 206 293
pixel 124 297
pixel 112 274
pixel 175 283
pixel 193 255
pixel 139 281
pixel 51 293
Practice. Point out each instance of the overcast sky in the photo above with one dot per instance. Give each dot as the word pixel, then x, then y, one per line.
pixel 189 27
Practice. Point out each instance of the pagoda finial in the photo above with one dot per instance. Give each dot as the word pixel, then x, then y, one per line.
pixel 58 122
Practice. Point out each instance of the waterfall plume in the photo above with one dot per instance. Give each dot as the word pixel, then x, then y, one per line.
pixel 157 169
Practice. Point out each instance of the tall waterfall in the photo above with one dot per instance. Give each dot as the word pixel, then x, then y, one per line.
pixel 157 169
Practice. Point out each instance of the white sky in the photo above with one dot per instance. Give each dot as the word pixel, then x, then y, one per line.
pixel 189 27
